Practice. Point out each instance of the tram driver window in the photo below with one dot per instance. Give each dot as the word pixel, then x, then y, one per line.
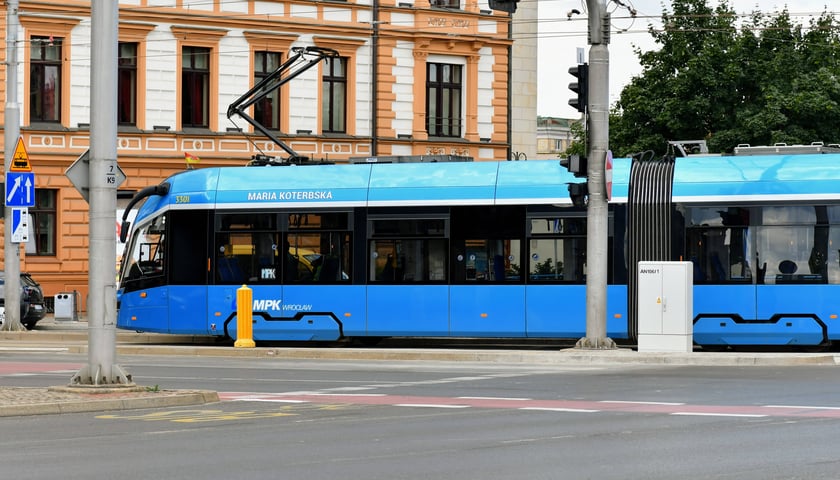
pixel 147 254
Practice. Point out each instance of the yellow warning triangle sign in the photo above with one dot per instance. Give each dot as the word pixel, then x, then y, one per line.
pixel 20 160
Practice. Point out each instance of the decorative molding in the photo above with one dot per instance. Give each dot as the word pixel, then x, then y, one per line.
pixel 339 43
pixel 135 31
pixel 270 41
pixel 200 34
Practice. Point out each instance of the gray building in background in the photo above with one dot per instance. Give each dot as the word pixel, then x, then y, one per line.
pixel 523 82
pixel 553 136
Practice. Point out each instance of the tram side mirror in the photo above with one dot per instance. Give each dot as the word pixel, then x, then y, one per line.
pixel 124 230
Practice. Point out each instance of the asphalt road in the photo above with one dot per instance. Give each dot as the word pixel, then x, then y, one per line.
pixel 313 419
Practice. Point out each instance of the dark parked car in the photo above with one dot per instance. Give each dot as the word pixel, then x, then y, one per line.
pixel 32 306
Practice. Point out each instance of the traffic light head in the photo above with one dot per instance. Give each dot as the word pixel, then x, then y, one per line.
pixel 508 6
pixel 580 87
pixel 575 164
pixel 578 193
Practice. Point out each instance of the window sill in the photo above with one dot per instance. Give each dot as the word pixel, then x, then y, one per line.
pixel 128 129
pixel 51 126
pixel 196 130
pixel 448 139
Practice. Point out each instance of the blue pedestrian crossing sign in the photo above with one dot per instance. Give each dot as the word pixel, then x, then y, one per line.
pixel 20 189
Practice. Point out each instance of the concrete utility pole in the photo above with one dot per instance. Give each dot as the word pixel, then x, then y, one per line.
pixel 102 368
pixel 597 213
pixel 10 138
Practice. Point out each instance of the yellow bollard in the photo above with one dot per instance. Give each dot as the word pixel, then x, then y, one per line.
pixel 244 318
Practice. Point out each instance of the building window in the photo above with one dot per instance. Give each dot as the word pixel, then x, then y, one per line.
pixel 334 96
pixel 443 94
pixel 195 87
pixel 127 84
pixel 445 3
pixel 45 80
pixel 43 222
pixel 267 109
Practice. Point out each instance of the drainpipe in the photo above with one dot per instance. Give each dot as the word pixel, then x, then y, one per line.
pixel 510 89
pixel 374 100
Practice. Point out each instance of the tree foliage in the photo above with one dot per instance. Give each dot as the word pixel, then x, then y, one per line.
pixel 578 145
pixel 729 80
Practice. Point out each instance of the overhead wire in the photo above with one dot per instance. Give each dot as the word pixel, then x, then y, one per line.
pixel 625 21
pixel 632 16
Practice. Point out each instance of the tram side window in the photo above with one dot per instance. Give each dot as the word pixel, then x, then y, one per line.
pixel 246 257
pixel 318 248
pixel 492 260
pixel 487 244
pixel 407 250
pixel 832 250
pixel 557 250
pixel 795 242
pixel 147 254
pixel 718 244
pixel 322 257
pixel 408 261
pixel 247 248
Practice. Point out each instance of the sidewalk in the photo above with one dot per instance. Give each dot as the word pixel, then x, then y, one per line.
pixel 72 337
pixel 19 401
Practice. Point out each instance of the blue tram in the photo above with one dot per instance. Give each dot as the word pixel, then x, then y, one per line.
pixel 484 249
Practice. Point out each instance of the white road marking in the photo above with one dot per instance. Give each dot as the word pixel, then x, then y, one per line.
pixel 712 414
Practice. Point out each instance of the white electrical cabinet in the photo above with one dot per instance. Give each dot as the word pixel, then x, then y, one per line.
pixel 665 307
pixel 65 307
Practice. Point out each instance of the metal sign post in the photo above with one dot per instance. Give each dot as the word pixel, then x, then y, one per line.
pixel 102 368
pixel 11 135
pixel 596 210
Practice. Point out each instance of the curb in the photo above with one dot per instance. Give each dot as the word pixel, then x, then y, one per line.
pixel 165 398
pixel 568 356
pixel 128 343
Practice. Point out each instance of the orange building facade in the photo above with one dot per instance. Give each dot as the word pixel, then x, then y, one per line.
pixel 412 78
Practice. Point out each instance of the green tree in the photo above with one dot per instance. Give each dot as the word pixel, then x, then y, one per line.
pixel 727 80
pixel 578 145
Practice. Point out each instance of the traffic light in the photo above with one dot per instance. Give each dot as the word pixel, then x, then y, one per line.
pixel 508 6
pixel 580 87
pixel 578 193
pixel 575 164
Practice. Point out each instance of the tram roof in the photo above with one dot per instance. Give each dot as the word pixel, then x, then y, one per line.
pixel 404 184
pixel 757 178
pixel 697 179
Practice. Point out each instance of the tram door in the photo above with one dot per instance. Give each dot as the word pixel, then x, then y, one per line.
pixel 186 249
pixel 487 292
pixel 407 291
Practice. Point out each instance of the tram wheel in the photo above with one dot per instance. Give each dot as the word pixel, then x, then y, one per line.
pixel 714 348
pixel 369 341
